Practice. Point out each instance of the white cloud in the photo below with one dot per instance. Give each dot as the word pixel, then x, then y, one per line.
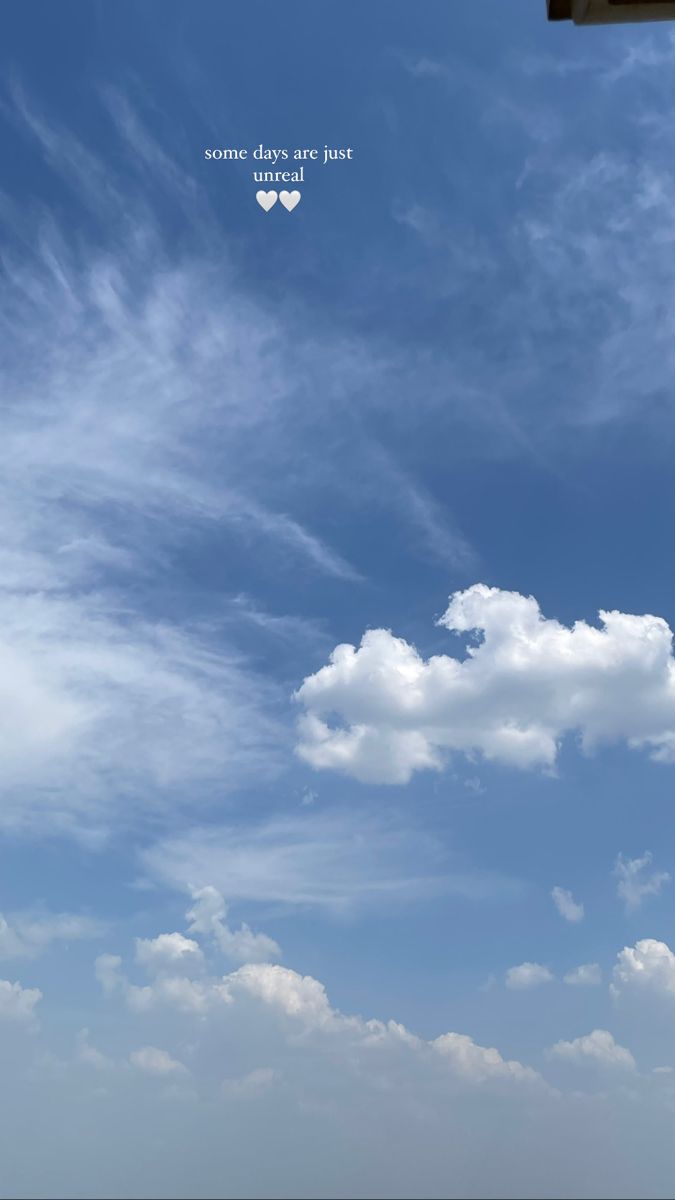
pixel 175 991
pixel 586 975
pixel 267 1035
pixel 295 995
pixel 478 1063
pixel 566 905
pixel 527 975
pixel 153 1061
pixel 635 882
pixel 172 959
pixel 167 951
pixel 278 1059
pixel 527 683
pixel 243 945
pixel 172 990
pixel 301 1004
pixel 647 966
pixel 18 1003
pixel 298 1001
pixel 598 1047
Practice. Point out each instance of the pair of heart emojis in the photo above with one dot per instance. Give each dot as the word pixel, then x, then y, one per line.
pixel 267 199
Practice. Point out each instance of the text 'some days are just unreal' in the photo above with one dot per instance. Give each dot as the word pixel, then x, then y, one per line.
pixel 269 155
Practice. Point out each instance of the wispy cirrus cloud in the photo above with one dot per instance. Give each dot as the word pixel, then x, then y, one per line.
pixel 152 402
pixel 340 860
pixel 135 387
pixel 579 241
pixel 637 880
pixel 29 934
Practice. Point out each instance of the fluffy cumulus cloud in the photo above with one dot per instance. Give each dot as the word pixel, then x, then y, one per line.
pixel 586 975
pixel 364 1098
pixel 295 995
pixel 255 993
pixel 566 905
pixel 648 966
pixel 207 916
pixel 636 880
pixel 172 989
pixel 167 951
pixel 176 964
pixel 301 1004
pixel 18 1003
pixel 264 1044
pixel 478 1063
pixel 527 975
pixel 597 1047
pixel 380 712
pixel 181 984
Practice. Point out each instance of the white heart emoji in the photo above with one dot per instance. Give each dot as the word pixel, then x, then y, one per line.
pixel 289 199
pixel 267 199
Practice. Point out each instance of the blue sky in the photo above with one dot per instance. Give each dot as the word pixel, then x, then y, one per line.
pixel 236 441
